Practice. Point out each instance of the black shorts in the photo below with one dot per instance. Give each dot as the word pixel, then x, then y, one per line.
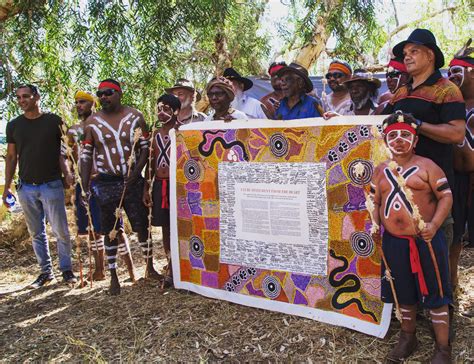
pixel 161 199
pixel 397 253
pixel 460 205
pixel 108 191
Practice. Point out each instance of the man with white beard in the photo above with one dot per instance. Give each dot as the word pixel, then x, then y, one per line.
pixel 253 108
pixel 362 88
pixel 187 94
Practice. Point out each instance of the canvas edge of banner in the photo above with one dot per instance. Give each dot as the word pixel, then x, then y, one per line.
pixel 328 317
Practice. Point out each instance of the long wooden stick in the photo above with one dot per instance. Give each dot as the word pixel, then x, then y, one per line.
pixel 388 273
pixel 90 230
pixel 150 181
pixel 118 211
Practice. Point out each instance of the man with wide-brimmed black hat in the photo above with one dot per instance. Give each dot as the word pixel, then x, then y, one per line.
pixel 187 94
pixel 295 85
pixel 253 108
pixel 439 109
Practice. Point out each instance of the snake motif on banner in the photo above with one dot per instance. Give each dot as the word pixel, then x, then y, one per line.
pixel 214 141
pixel 345 289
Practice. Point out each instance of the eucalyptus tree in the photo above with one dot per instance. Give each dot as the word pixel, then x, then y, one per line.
pixel 63 45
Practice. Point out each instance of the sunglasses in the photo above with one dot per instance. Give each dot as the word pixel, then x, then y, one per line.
pixel 393 74
pixel 107 92
pixel 335 75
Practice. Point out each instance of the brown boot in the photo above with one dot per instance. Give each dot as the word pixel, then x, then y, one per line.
pixel 407 344
pixel 99 272
pixel 441 355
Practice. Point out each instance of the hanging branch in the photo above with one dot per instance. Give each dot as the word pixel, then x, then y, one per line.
pixel 119 210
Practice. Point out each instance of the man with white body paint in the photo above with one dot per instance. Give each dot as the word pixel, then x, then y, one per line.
pixel 404 244
pixel 110 134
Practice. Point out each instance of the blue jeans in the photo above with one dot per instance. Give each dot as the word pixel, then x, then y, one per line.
pixel 46 202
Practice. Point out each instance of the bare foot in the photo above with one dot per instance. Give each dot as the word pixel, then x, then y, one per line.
pixel 114 288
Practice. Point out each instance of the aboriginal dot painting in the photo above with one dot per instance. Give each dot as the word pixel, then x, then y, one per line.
pixel 349 294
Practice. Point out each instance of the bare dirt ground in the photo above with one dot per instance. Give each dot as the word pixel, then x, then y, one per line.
pixel 145 323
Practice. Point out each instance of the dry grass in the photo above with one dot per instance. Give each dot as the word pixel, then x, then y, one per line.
pixel 60 324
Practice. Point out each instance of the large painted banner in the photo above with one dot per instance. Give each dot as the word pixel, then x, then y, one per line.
pixel 272 214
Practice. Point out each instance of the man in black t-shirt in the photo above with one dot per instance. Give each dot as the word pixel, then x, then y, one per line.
pixel 34 141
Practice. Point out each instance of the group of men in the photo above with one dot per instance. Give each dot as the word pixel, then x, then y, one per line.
pixel 431 116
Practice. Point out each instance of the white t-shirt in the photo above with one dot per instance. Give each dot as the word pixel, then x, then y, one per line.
pixel 250 106
pixel 236 114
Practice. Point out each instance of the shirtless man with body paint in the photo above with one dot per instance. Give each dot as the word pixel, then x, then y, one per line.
pixel 168 107
pixel 85 106
pixel 461 73
pixel 404 245
pixel 110 134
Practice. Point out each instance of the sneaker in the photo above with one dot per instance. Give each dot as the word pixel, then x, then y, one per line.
pixel 43 280
pixel 69 277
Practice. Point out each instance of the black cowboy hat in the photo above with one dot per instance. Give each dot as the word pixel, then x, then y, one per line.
pixel 187 85
pixel 300 71
pixel 421 37
pixel 232 74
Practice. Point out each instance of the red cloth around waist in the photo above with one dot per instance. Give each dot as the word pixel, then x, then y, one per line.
pixel 415 262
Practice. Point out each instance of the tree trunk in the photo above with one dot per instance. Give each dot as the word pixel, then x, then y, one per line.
pixel 9 8
pixel 221 56
pixel 310 52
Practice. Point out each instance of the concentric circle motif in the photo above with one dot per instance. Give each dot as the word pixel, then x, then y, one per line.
pixel 278 145
pixel 271 287
pixel 362 244
pixel 360 171
pixel 192 171
pixel 196 247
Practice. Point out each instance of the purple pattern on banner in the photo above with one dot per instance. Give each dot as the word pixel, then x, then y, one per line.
pixel 351 269
pixel 209 279
pixel 192 186
pixel 300 299
pixel 196 262
pixel 252 291
pixel 183 209
pixel 356 199
pixel 194 201
pixel 229 135
pixel 300 281
pixel 179 151
pixel 336 175
pixel 212 223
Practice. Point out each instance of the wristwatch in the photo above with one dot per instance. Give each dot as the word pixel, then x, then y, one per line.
pixel 418 123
